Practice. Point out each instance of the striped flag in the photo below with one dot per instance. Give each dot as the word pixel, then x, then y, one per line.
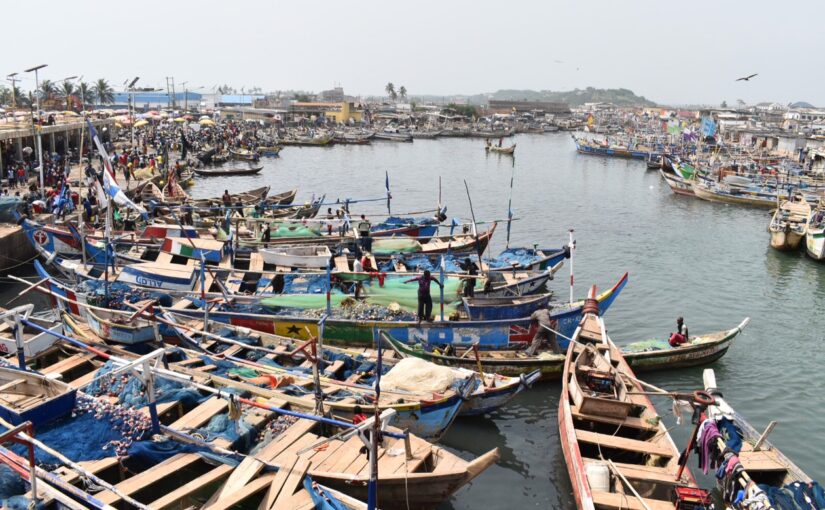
pixel 110 185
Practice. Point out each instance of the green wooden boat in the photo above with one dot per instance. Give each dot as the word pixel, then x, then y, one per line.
pixel 646 356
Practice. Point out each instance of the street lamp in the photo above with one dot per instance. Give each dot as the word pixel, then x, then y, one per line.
pixel 131 89
pixel 13 80
pixel 37 98
pixel 64 80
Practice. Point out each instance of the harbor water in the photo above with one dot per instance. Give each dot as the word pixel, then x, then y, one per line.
pixel 708 262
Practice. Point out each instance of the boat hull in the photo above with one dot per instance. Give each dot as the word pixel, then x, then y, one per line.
pixel 677 184
pixel 815 244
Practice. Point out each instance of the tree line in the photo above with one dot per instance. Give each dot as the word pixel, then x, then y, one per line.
pixel 99 92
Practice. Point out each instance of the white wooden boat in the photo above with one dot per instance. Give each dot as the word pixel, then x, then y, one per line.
pixel 789 224
pixel 297 256
pixel 815 234
pixel 29 396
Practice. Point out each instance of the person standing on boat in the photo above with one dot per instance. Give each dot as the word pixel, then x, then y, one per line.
pixel 425 300
pixel 542 321
pixel 364 227
pixel 266 236
pixel 681 335
pixel 469 283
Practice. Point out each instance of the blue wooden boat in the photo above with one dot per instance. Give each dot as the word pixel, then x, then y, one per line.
pixel 28 396
pixel 499 308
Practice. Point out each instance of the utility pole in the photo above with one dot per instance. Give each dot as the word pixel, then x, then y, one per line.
pixel 174 102
pixel 39 127
pixel 169 89
pixel 185 97
pixel 13 81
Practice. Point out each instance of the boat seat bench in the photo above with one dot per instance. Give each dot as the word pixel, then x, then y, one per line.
pixel 623 443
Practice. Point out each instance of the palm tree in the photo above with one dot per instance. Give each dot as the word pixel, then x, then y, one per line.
pixel 87 93
pixel 47 89
pixel 390 89
pixel 403 92
pixel 19 97
pixel 104 92
pixel 67 91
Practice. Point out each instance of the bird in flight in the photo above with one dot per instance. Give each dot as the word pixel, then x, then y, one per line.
pixel 747 78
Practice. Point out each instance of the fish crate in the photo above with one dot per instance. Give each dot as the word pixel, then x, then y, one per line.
pixel 688 498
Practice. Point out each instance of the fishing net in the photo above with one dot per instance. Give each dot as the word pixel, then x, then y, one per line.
pixel 521 257
pixel 11 484
pixel 653 344
pixel 415 374
pixel 296 230
pixel 237 432
pixel 401 221
pixel 117 294
pixel 390 245
pixel 131 392
pixel 299 283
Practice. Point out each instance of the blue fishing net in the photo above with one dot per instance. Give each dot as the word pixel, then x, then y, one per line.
pixel 521 256
pixel 305 283
pixel 400 221
pixel 239 433
pixel 10 484
pixel 118 294
pixel 131 392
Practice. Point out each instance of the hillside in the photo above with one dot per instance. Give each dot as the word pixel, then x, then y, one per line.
pixel 577 97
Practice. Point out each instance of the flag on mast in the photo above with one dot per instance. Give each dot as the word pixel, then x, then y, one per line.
pixel 389 196
pixel 110 185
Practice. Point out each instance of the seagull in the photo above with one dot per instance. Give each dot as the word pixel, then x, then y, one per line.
pixel 747 78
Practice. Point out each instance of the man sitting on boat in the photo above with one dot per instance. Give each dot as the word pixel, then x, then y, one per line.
pixel 681 335
pixel 543 323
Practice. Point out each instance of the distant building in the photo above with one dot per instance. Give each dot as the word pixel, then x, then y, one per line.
pixel 155 100
pixel 335 95
pixel 340 112
pixel 503 106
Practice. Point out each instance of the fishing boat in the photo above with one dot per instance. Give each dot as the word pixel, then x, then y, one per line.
pixel 392 135
pixel 789 224
pixel 715 192
pixel 496 308
pixel 213 172
pixel 297 256
pixel 346 138
pixel 244 154
pixel 677 184
pixel 425 135
pixel 815 234
pixel 618 451
pixel 28 396
pixel 411 471
pixel 500 150
pixel 644 356
pixel 270 151
pixel 765 476
pixel 32 341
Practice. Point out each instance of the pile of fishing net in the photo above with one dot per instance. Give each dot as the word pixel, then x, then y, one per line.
pixel 305 283
pixel 296 230
pixel 415 374
pixel 131 392
pixel 652 344
pixel 114 295
pixel 390 245
pixel 522 257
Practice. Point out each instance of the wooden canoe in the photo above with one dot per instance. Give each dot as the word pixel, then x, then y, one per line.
pixel 501 150
pixel 701 350
pixel 414 473
pixel 763 462
pixel 789 224
pixel 217 172
pixel 28 396
pixel 607 427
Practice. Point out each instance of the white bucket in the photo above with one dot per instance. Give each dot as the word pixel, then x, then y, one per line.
pixel 598 476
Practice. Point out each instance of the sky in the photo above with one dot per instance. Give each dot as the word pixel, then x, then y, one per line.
pixel 670 52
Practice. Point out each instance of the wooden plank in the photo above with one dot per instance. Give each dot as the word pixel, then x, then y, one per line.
pixel 421 450
pixel 286 439
pixel 628 502
pixel 304 441
pixel 278 482
pixel 640 472
pixel 346 455
pixel 250 489
pixel 342 264
pixel 179 494
pixel 11 384
pixel 763 460
pixel 201 415
pixel 147 478
pixel 301 500
pixel 623 443
pixel 292 484
pixel 630 421
pixel 70 363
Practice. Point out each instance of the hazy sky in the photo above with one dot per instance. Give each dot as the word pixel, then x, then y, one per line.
pixel 670 52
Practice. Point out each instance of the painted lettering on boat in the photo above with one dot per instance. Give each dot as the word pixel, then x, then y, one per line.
pixel 148 282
